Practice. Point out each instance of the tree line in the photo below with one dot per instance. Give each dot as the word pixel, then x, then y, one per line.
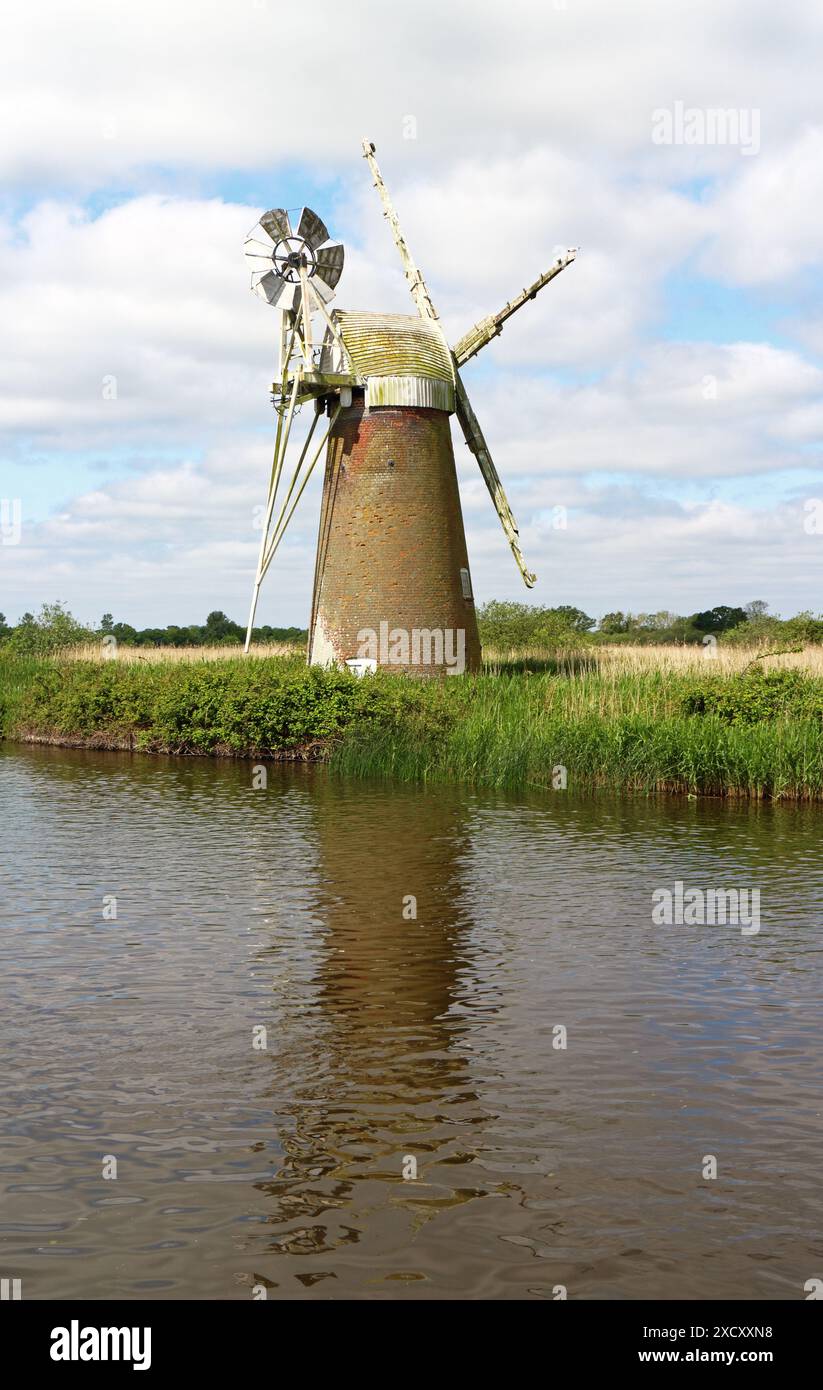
pixel 512 625
pixel 54 628
pixel 507 625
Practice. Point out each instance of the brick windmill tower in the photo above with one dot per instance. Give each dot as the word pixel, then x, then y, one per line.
pixel 392 585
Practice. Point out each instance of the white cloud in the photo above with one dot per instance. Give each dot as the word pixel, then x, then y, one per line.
pixel 152 293
pixel 93 90
pixel 686 411
pixel 766 221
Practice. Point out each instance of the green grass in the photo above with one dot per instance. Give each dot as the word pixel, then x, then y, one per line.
pixel 17 675
pixel 754 735
pixel 630 734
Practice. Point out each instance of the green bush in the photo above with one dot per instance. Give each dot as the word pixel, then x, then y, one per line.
pixel 51 631
pixel 757 696
pixel 513 626
pixel 765 629
pixel 269 705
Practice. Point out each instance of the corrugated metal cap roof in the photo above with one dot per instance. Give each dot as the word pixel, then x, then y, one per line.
pixel 427 391
pixel 394 345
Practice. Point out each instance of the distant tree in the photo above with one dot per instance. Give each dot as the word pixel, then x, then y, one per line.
pixel 804 627
pixel 682 630
pixel 719 619
pixel 661 621
pixel 758 608
pixel 572 619
pixel 507 624
pixel 107 624
pixel 517 625
pixel 279 634
pixel 5 630
pixel 613 622
pixel 755 632
pixel 219 628
pixel 54 629
pixel 768 629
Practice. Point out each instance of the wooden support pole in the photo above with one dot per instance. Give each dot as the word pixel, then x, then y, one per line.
pixel 295 476
pixel 278 538
pixel 274 479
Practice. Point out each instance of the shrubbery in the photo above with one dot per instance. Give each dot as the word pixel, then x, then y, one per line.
pixel 237 706
pixel 758 696
pixel 516 626
pixel 804 627
pixel 217 631
pixel 51 631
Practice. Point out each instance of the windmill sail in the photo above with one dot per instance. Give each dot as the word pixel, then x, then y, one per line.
pixel 469 424
pixel 473 436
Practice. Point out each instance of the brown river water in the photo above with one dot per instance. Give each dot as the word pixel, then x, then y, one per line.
pixel 393 1041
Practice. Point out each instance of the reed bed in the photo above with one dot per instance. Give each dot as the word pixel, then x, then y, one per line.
pixel 628 735
pixel 678 658
pixel 96 651
pixel 603 659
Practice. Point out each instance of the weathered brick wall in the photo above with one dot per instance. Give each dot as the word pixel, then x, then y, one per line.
pixel 391 542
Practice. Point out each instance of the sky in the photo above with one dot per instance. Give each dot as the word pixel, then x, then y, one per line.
pixel 656 414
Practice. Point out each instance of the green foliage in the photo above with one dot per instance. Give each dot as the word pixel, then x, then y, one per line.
pixel 763 628
pixel 804 627
pixel 17 674
pixel 513 732
pixel 719 619
pixel 647 629
pixel 263 706
pixel 298 636
pixel 217 631
pixel 51 631
pixel 749 626
pixel 506 626
pixel 756 735
pixel 755 632
pixel 758 608
pixel 758 696
pixel 219 628
pixel 54 629
pixel 612 623
pixel 515 626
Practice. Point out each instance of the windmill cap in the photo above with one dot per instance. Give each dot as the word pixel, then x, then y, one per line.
pixel 394 345
pixel 402 359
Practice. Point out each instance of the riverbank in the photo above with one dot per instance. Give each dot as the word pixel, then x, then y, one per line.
pixel 666 721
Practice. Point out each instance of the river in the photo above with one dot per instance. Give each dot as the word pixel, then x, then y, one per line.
pixel 353 1040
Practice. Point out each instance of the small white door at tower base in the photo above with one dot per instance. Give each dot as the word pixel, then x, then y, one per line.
pixel 362 665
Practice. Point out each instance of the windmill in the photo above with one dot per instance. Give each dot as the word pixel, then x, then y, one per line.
pixel 392 578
